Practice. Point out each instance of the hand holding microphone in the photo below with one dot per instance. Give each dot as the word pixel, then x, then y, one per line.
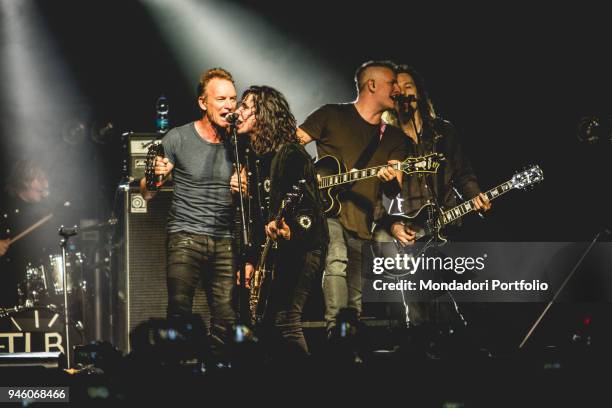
pixel 162 168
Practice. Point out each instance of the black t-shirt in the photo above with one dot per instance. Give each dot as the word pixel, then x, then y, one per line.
pixel 340 131
pixel 455 170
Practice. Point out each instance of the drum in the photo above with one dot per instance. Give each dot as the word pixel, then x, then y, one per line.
pixel 34 287
pixel 56 273
pixel 28 329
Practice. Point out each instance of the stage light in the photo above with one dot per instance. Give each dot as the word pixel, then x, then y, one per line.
pixel 101 355
pixel 594 129
pixel 74 132
pixel 39 96
pixel 102 132
pixel 215 33
pixel 170 341
pixel 347 340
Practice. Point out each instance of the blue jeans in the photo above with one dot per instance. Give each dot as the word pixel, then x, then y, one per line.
pixel 418 312
pixel 192 257
pixel 342 275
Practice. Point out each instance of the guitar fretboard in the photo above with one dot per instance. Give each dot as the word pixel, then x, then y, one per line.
pixel 350 176
pixel 467 207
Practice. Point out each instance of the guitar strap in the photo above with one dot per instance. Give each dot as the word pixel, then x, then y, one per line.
pixel 368 152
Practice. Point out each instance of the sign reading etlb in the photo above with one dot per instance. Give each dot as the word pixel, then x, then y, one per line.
pixel 31 329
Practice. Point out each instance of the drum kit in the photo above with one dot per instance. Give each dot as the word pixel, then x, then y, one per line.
pixel 37 323
pixel 43 284
pixel 47 302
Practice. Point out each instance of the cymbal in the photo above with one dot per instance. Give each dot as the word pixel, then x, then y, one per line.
pixel 111 222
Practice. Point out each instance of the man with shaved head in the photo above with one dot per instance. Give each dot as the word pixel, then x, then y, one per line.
pixel 354 134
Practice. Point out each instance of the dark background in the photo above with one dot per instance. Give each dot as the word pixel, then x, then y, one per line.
pixel 514 79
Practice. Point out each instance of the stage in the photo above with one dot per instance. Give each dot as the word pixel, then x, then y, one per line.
pixel 88 87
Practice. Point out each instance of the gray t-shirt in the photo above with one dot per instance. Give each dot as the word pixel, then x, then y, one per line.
pixel 202 202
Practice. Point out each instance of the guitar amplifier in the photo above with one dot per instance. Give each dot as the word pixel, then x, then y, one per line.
pixel 138 146
pixel 141 291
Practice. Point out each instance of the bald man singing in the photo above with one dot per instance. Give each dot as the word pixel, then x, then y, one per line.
pixel 355 134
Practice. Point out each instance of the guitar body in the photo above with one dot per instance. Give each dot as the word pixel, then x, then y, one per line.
pixel 426 223
pixel 262 281
pixel 429 220
pixel 329 166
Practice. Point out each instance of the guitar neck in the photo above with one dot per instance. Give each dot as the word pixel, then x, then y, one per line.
pixel 268 244
pixel 351 176
pixel 468 206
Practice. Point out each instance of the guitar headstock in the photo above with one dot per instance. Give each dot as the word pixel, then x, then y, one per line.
pixel 423 164
pixel 527 177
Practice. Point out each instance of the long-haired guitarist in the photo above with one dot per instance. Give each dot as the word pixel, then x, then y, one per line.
pixel 425 133
pixel 355 135
pixel 301 236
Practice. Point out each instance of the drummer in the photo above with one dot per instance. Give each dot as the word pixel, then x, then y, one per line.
pixel 28 200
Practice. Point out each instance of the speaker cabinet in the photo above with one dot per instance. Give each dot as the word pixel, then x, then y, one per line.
pixel 141 291
pixel 138 146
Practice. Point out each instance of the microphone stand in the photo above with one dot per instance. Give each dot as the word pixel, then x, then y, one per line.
pixel 66 233
pixel 567 279
pixel 243 300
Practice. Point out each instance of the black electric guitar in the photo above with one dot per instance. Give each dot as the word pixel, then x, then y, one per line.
pixel 331 174
pixel 429 221
pixel 262 275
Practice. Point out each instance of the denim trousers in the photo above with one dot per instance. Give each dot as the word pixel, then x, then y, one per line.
pixel 342 275
pixel 195 257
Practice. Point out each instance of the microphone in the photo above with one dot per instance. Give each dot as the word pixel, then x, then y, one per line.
pixel 405 101
pixel 402 98
pixel 159 151
pixel 404 104
pixel 232 118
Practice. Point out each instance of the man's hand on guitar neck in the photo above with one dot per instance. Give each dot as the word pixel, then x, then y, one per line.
pixel 481 203
pixel 283 231
pixel 389 173
pixel 403 233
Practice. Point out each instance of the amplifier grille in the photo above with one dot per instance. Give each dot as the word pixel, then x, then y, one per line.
pixel 142 284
